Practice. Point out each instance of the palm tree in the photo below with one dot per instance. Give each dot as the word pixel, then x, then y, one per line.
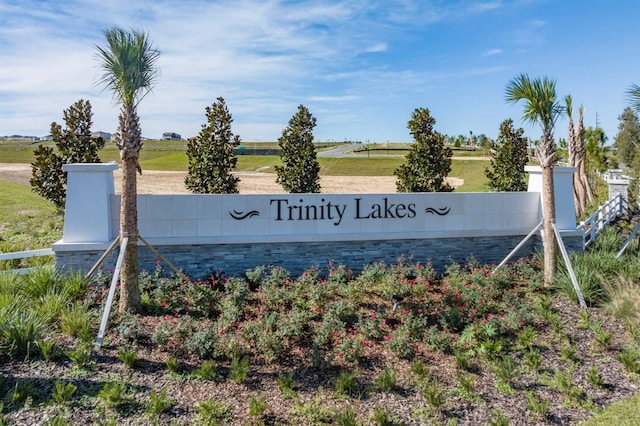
pixel 542 107
pixel 577 152
pixel 128 68
pixel 634 97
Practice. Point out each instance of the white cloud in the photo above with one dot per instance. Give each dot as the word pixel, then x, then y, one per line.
pixel 378 47
pixel 492 52
pixel 344 98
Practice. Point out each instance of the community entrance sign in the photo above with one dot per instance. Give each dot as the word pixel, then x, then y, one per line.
pixel 236 232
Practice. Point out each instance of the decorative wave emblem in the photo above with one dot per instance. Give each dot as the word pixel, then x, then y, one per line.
pixel 440 212
pixel 241 216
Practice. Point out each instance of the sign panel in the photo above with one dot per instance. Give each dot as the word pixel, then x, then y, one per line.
pixel 334 216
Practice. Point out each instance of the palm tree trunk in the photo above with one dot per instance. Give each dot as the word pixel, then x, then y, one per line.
pixel 548 218
pixel 129 135
pixel 582 190
pixel 577 187
pixel 546 155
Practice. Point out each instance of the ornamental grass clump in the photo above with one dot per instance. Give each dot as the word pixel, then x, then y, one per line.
pixel 596 267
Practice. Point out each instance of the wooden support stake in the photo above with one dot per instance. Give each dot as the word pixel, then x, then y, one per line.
pixel 103 257
pixel 157 253
pixel 515 250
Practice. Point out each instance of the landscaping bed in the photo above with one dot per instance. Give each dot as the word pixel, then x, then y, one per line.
pixel 396 344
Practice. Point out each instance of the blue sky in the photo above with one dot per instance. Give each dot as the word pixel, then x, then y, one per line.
pixel 361 67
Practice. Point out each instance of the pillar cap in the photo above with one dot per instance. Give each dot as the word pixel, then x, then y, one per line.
pixel 538 169
pixel 90 167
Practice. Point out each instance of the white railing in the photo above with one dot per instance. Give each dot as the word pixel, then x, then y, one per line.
pixel 595 224
pixel 24 255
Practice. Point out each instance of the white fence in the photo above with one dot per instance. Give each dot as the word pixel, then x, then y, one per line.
pixel 24 255
pixel 595 224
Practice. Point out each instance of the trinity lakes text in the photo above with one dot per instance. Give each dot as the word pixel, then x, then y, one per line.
pixel 326 210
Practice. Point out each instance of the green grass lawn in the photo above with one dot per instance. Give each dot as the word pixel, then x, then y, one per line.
pixel 624 413
pixel 29 222
pixel 171 156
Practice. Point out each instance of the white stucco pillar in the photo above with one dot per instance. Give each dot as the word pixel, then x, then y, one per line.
pixel 87 213
pixel 563 187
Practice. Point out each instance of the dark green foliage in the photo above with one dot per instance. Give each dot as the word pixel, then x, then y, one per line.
pixel 626 143
pixel 211 154
pixel 300 171
pixel 628 137
pixel 74 144
pixel 634 184
pixel 508 158
pixel 428 162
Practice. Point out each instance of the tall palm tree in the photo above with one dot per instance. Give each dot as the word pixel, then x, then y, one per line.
pixel 542 107
pixel 128 66
pixel 577 152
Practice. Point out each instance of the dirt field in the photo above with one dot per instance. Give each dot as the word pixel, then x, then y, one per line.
pixel 159 182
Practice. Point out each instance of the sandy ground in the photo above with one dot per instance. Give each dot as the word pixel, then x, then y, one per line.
pixel 160 182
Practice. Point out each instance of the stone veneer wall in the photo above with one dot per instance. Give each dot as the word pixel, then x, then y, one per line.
pixel 234 259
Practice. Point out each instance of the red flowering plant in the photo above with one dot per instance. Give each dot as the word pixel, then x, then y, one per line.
pixel 97 290
pixel 339 275
pixel 179 294
pixel 347 346
pixel 483 303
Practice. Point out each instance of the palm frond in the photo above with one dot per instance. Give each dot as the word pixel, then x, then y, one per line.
pixel 128 65
pixel 541 103
pixel 634 97
pixel 568 102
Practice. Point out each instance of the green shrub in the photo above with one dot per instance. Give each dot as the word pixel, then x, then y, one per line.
pixel 159 402
pixel 239 368
pixel 202 342
pixel 207 371
pixel 381 417
pixel 113 394
pixel 80 355
pixel 257 406
pixel 386 380
pixel 314 412
pixel 285 384
pixel 213 413
pixel 433 393
pixel 630 358
pixel 63 392
pixel 346 384
pixel 172 364
pixel 48 349
pixel 128 357
pixel 347 417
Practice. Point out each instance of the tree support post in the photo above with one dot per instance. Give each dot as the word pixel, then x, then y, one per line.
pixel 112 291
pixel 567 262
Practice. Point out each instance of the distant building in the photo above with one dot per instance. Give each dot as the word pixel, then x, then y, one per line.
pixel 170 136
pixel 21 138
pixel 104 135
